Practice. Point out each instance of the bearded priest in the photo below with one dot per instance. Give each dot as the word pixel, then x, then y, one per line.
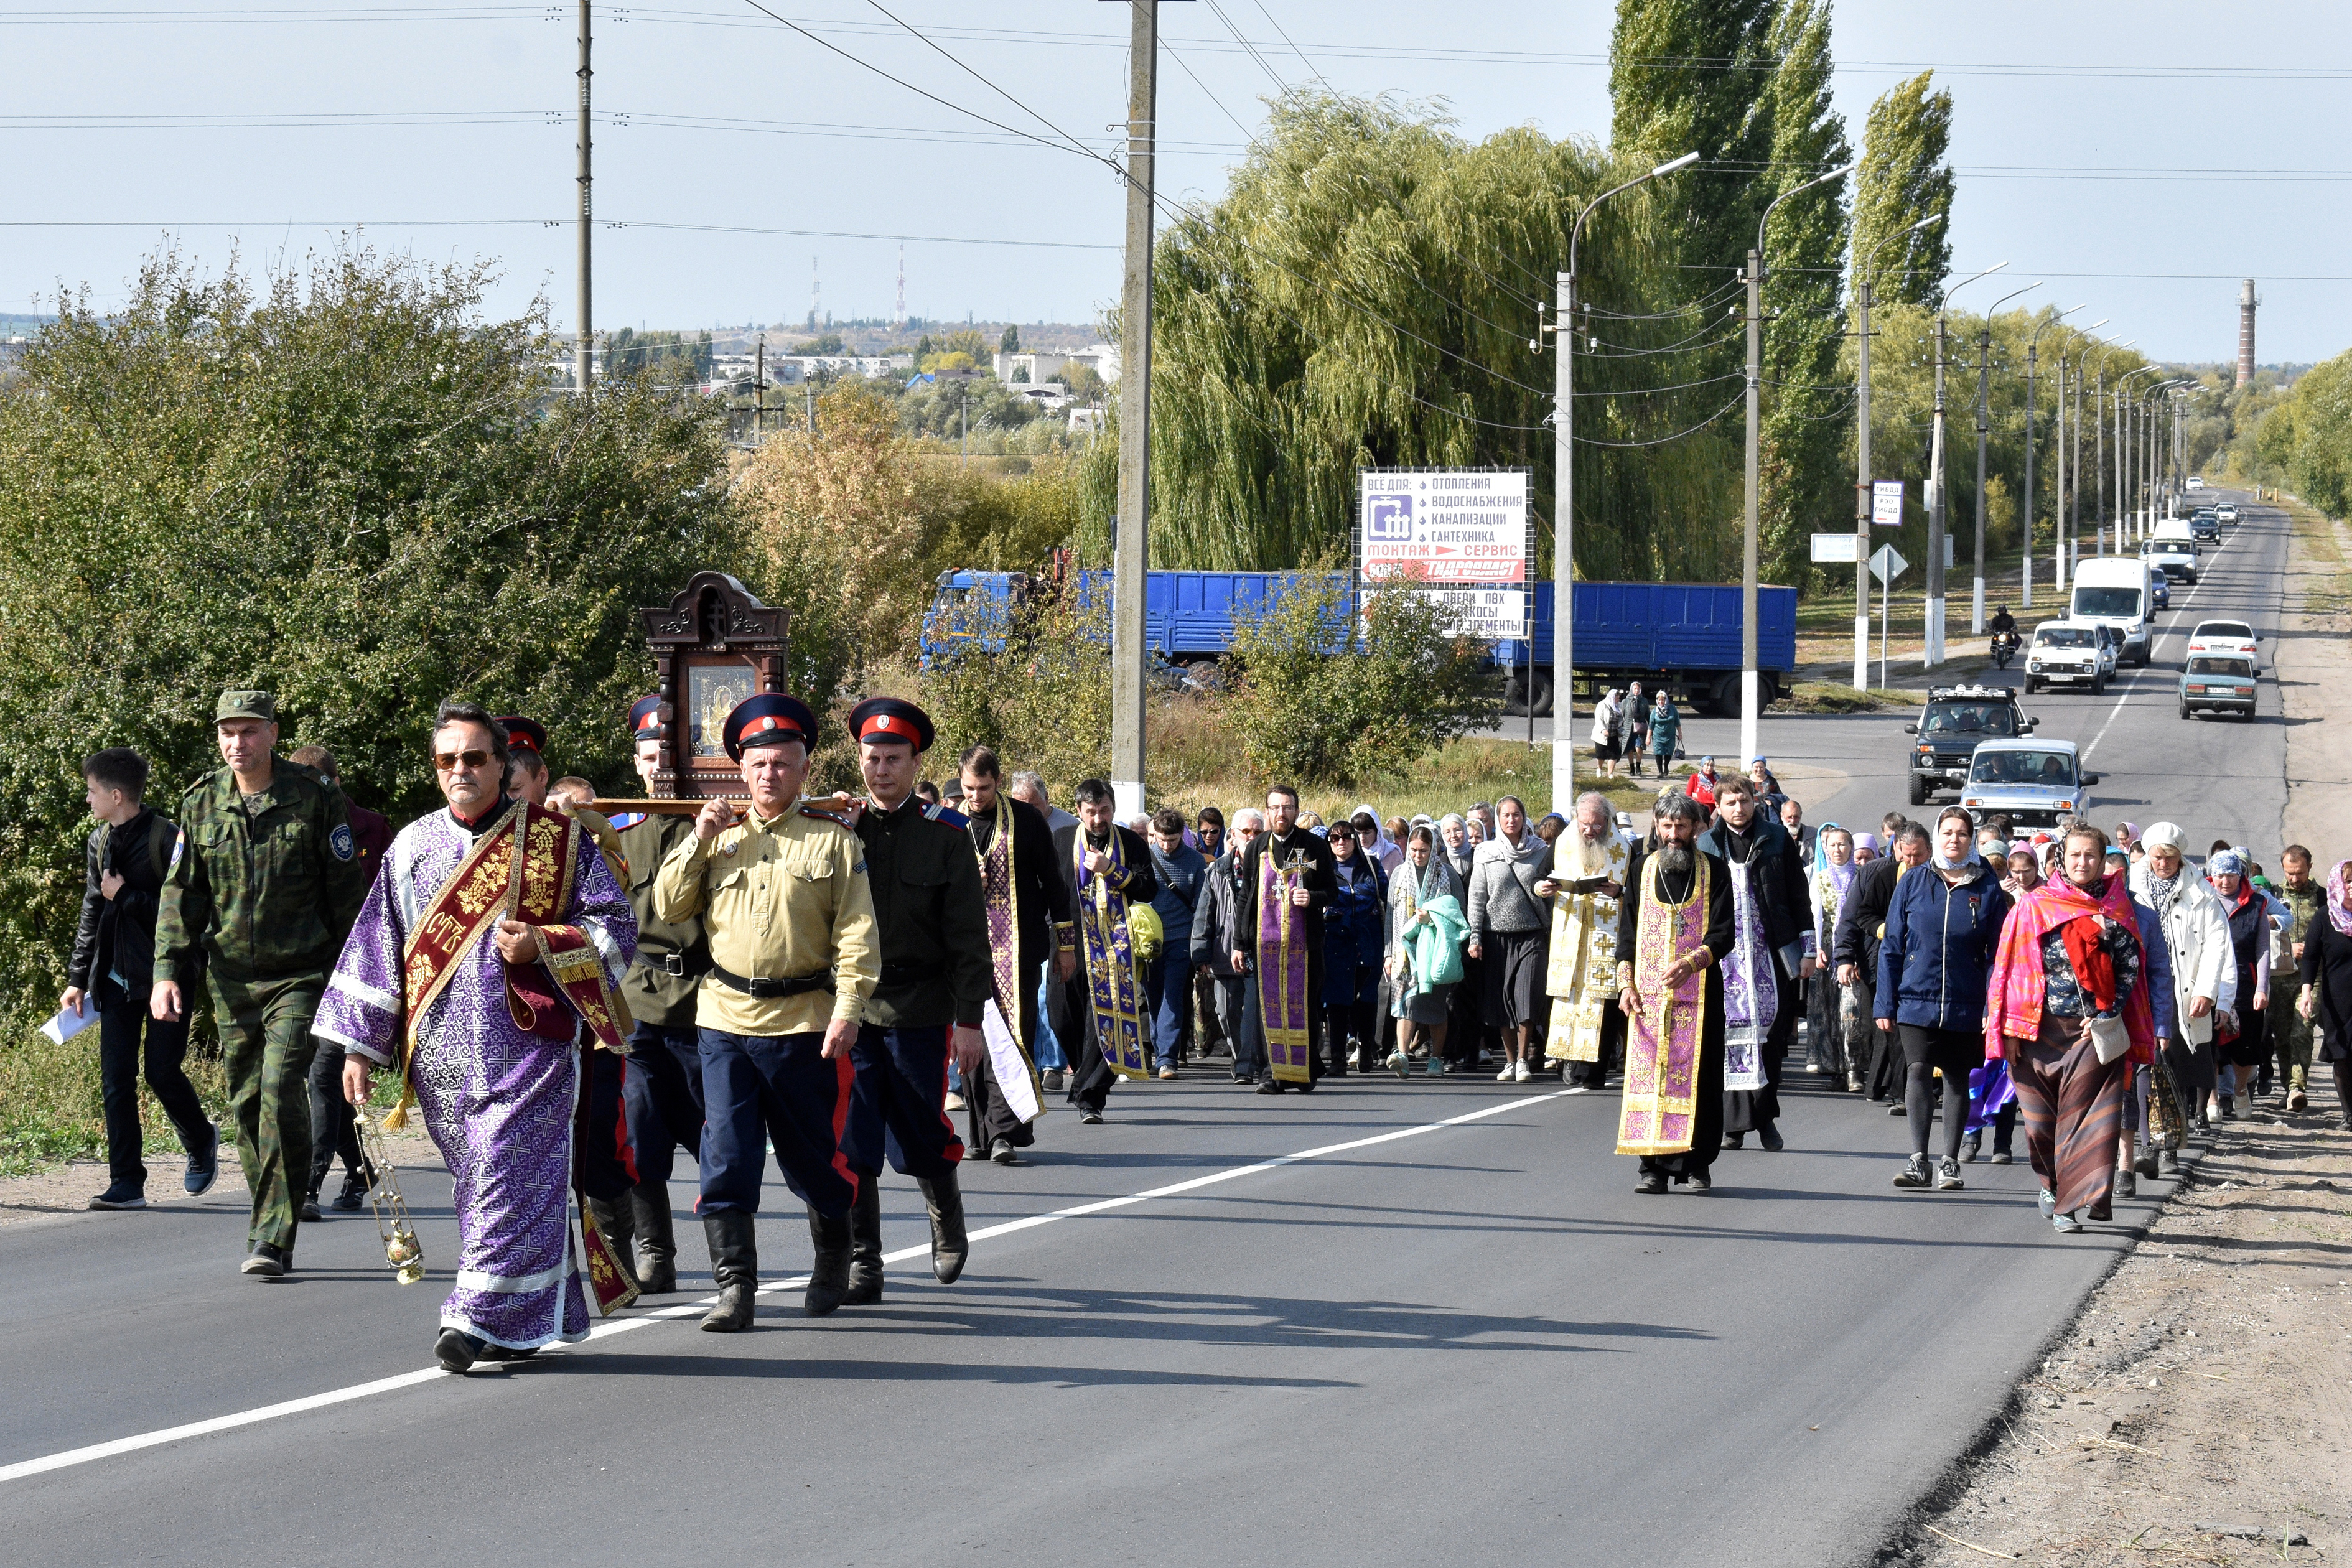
pixel 1674 925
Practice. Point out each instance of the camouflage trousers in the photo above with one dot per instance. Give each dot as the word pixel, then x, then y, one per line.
pixel 2290 1034
pixel 265 1049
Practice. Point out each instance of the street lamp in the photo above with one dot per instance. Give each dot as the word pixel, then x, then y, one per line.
pixel 1984 425
pixel 2069 498
pixel 1563 545
pixel 1934 627
pixel 1864 277
pixel 2032 348
pixel 2122 459
pixel 2099 446
pixel 1750 708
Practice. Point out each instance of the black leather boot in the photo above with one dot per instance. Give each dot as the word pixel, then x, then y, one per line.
pixel 865 1245
pixel 829 1277
pixel 619 1229
pixel 735 1265
pixel 950 1246
pixel 656 1239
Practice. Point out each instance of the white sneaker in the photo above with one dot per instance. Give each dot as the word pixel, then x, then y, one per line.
pixel 1510 1071
pixel 954 1101
pixel 1522 1074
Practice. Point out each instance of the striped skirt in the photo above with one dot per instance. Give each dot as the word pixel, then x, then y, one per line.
pixel 2072 1106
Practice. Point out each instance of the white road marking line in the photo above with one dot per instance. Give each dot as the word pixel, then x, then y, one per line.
pixel 2203 576
pixel 132 1445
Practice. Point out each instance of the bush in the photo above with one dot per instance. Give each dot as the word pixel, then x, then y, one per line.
pixel 1316 706
pixel 1044 703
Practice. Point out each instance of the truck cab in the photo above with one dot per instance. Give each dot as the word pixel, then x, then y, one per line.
pixel 2112 590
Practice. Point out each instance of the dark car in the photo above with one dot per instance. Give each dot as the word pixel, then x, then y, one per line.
pixel 2205 525
pixel 1955 721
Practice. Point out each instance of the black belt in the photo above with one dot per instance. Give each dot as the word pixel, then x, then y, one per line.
pixel 795 986
pixel 687 965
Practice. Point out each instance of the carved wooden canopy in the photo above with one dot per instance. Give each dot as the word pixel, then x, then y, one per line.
pixel 713 646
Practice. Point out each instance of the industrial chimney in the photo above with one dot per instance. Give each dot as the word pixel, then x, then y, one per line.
pixel 2246 303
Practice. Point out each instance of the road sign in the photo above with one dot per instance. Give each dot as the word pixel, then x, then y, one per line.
pixel 1836 549
pixel 1887 565
pixel 1887 503
pixel 1464 525
pixel 1483 614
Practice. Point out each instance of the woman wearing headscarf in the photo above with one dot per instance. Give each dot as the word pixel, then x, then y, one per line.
pixel 1993 1097
pixel 1606 746
pixel 2204 980
pixel 2249 915
pixel 1352 923
pixel 2064 1007
pixel 1942 929
pixel 1426 926
pixel 1665 727
pixel 2326 999
pixel 1510 928
pixel 1633 729
pixel 1833 1017
pixel 1464 1027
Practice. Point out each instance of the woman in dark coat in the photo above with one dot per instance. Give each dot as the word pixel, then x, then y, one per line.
pixel 2326 997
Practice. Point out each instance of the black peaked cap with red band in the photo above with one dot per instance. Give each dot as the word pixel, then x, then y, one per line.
pixel 645 718
pixel 523 734
pixel 768 720
pixel 892 718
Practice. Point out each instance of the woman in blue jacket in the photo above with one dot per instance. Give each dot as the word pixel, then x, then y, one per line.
pixel 1351 951
pixel 1942 930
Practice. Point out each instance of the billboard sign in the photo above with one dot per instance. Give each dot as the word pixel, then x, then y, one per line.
pixel 1468 525
pixel 1483 614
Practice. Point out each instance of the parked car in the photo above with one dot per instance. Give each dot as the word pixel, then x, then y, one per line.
pixel 2038 783
pixel 2069 653
pixel 2218 683
pixel 2234 637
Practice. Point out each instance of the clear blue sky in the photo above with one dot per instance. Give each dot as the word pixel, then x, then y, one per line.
pixel 411 110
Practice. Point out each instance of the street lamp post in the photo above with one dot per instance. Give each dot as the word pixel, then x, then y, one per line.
pixel 1934 629
pixel 2126 473
pixel 2032 347
pixel 1750 707
pixel 1864 275
pixel 1563 545
pixel 1984 427
pixel 2099 448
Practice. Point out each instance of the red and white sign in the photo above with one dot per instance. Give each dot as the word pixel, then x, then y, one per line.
pixel 1444 526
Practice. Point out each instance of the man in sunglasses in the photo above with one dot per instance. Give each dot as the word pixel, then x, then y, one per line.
pixel 264 880
pixel 493 932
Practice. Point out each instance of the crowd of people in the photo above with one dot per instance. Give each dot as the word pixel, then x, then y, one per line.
pixel 902 977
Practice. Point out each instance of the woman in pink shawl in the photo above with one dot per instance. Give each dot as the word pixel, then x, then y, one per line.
pixel 2064 1009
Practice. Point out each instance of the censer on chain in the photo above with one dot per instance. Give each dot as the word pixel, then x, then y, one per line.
pixel 402 1250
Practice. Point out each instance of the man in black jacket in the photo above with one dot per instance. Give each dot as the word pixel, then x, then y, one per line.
pixel 1093 835
pixel 112 968
pixel 1286 841
pixel 1215 939
pixel 1039 890
pixel 1744 835
pixel 1854 949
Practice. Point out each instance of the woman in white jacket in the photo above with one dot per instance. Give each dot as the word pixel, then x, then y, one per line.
pixel 2204 966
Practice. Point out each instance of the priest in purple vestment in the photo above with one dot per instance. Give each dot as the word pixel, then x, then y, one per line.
pixel 497 1094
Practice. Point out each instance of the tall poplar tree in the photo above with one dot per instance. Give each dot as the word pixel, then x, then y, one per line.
pixel 1803 483
pixel 1905 176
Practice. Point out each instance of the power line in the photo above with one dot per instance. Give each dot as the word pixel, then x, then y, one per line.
pixel 537 223
pixel 1691 430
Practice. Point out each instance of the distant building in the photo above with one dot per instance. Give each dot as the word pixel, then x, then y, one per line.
pixel 1085 421
pixel 1100 358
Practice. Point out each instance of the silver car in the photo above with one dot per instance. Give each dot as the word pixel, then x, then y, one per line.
pixel 2066 653
pixel 2038 783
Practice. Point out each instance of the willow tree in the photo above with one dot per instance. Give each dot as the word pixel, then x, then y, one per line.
pixel 1363 295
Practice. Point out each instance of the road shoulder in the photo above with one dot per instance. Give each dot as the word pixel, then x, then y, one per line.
pixel 2313 670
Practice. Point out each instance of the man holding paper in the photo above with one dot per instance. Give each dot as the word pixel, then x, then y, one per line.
pixel 936 977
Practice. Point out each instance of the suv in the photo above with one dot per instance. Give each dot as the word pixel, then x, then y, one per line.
pixel 2068 651
pixel 2176 557
pixel 1955 721
pixel 2035 784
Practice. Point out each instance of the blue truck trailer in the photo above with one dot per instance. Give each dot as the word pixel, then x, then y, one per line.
pixel 1682 635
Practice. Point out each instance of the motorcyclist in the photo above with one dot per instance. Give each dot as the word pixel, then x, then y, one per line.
pixel 2003 623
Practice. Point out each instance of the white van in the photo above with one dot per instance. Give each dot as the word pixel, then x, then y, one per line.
pixel 2112 590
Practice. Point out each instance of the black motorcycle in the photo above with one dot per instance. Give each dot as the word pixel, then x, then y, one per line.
pixel 2004 649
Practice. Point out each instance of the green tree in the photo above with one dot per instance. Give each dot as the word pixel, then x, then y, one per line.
pixel 1695 76
pixel 1805 477
pixel 352 488
pixel 1905 176
pixel 1010 343
pixel 824 344
pixel 1316 705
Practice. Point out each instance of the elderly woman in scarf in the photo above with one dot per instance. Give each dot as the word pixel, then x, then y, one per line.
pixel 2248 914
pixel 2065 1009
pixel 1832 1017
pixel 2204 985
pixel 2326 999
pixel 1426 925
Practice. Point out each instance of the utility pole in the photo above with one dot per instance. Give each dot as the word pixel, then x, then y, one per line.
pixel 2099 455
pixel 2027 553
pixel 2075 480
pixel 1130 551
pixel 582 355
pixel 1984 427
pixel 1749 568
pixel 1934 627
pixel 759 390
pixel 1862 495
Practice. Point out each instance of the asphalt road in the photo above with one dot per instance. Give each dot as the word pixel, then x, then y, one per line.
pixel 1454 1342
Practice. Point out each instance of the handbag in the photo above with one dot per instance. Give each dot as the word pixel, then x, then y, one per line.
pixel 2109 1037
pixel 2225 1027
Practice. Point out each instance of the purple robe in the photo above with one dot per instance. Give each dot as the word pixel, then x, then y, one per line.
pixel 497 1100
